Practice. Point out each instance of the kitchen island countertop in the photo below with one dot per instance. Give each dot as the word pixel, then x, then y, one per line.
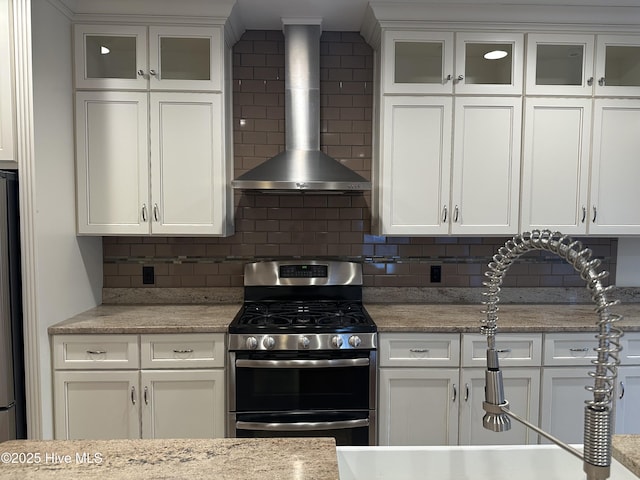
pixel 389 317
pixel 222 459
pixel 626 450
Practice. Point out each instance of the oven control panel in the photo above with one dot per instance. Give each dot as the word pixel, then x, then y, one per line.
pixel 335 341
pixel 304 271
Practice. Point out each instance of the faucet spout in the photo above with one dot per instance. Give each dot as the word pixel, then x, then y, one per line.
pixel 599 411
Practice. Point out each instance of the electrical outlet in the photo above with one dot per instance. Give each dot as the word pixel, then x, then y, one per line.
pixel 148 276
pixel 436 273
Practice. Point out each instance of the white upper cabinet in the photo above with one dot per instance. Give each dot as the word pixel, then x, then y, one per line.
pixel 422 62
pixel 179 58
pixel 617 65
pixel 417 62
pixel 602 65
pixel 615 168
pixel 489 63
pixel 559 64
pixel 486 165
pixel 6 85
pixel 555 177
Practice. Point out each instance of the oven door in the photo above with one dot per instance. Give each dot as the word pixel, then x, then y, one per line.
pixel 301 381
pixel 348 428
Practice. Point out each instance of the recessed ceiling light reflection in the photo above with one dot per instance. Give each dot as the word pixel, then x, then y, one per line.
pixel 495 55
pixel 104 50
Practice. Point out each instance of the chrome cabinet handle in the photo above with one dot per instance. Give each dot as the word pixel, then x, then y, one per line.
pixel 583 349
pixel 456 212
pixel 146 396
pixel 140 73
pixel 595 214
pixel 96 352
pixel 621 391
pixel 459 78
pixel 156 213
pixel 444 214
pixel 601 81
pixel 455 393
pixel 584 214
pixel 448 78
pixel 186 350
pixel 466 392
pixel 590 81
pixel 133 395
pixel 418 350
pixel 503 350
pixel 152 72
pixel 144 212
pixel 302 426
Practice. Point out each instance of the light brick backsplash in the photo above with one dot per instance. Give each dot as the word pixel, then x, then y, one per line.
pixel 318 226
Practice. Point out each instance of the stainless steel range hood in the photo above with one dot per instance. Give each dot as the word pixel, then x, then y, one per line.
pixel 302 166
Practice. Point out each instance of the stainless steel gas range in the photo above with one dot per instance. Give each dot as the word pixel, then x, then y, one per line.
pixel 302 354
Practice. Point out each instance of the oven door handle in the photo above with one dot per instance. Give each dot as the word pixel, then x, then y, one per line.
pixel 340 362
pixel 301 426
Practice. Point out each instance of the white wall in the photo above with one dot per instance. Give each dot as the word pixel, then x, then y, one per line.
pixel 69 268
pixel 628 264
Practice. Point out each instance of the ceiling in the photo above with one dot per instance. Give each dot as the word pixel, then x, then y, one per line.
pixel 336 15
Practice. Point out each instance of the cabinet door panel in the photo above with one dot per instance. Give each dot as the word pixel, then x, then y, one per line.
pixel 628 399
pixel 486 166
pixel 563 396
pixel 6 88
pixel 110 56
pixel 617 65
pixel 416 165
pixel 182 404
pixel 96 405
pixel 522 390
pixel 112 162
pixel 188 180
pixel 615 171
pixel 418 406
pixel 556 165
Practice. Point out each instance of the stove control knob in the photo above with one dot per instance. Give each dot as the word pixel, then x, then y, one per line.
pixel 355 341
pixel 304 342
pixel 251 343
pixel 269 342
pixel 336 341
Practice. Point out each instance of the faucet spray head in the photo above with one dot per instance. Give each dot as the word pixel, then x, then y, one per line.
pixel 495 419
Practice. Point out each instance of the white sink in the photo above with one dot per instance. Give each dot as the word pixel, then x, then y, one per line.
pixel 522 462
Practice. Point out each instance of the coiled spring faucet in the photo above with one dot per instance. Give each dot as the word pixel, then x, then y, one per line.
pixel 598 414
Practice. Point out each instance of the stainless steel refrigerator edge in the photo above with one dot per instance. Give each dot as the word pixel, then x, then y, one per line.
pixel 12 402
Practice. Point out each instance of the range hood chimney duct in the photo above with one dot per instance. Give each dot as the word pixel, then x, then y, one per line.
pixel 302 166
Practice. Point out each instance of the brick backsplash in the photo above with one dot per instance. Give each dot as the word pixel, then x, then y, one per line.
pixel 318 226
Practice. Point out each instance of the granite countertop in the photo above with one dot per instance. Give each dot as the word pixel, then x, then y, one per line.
pixel 388 317
pixel 626 450
pixel 222 459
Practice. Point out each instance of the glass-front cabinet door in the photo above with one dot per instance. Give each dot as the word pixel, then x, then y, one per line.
pixel 617 65
pixel 559 64
pixel 489 63
pixel 185 58
pixel 111 56
pixel 179 58
pixel 417 62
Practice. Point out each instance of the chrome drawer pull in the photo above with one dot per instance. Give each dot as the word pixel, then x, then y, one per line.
pixel 96 352
pixel 621 396
pixel 146 396
pixel 584 349
pixel 503 350
pixel 419 350
pixel 186 350
pixel 133 395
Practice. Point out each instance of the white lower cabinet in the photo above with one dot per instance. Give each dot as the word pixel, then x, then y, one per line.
pixel 628 399
pixel 100 392
pixel 435 402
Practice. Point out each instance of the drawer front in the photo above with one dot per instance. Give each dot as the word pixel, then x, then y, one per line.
pixel 569 348
pixel 188 350
pixel 516 350
pixel 419 350
pixel 89 352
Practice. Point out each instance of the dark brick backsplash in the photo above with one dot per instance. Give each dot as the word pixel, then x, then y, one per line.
pixel 325 226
